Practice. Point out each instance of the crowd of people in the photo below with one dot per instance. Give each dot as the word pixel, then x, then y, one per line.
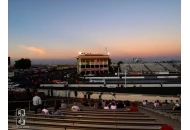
pixel 100 104
pixel 157 103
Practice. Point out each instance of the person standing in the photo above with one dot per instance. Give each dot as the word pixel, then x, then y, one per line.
pixel 48 93
pixel 51 92
pixel 113 94
pixel 68 93
pixel 118 84
pixel 76 94
pixel 104 83
pixel 100 95
pixel 84 93
pixel 161 84
pixel 36 102
pixel 88 93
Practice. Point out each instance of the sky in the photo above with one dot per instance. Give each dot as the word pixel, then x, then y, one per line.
pixel 54 31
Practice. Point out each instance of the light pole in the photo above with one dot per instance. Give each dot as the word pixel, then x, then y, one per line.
pixel 125 77
pixel 125 73
pixel 118 71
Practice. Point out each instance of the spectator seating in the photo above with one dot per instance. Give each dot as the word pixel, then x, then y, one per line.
pixel 155 67
pixel 169 67
pixel 164 110
pixel 138 67
pixel 125 66
pixel 91 118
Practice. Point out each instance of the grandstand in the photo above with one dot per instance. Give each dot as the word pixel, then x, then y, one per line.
pixel 126 67
pixel 169 67
pixel 155 67
pixel 138 67
pixel 95 119
pixel 178 64
pixel 151 67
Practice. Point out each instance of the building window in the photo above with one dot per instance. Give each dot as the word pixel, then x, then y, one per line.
pixel 87 66
pixel 92 66
pixel 82 66
pixel 101 65
pixel 105 65
pixel 87 62
pixel 96 66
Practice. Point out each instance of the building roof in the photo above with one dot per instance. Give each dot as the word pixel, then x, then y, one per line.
pixel 89 55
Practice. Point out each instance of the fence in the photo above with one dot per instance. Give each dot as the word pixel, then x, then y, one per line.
pixel 12 105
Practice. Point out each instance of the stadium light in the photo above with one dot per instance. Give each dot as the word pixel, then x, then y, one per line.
pixel 108 53
pixel 80 53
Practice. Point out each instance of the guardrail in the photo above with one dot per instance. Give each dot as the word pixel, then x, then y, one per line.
pixel 44 101
pixel 111 85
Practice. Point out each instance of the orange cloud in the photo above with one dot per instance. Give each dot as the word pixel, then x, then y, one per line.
pixel 33 49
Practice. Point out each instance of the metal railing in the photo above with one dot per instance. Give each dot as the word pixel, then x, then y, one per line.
pixel 45 102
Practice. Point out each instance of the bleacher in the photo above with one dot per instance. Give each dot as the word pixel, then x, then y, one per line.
pixel 169 67
pixel 90 118
pixel 125 66
pixel 155 67
pixel 178 64
pixel 138 67
pixel 164 110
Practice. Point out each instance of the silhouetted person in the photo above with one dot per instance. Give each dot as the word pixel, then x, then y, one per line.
pixel 51 92
pixel 100 95
pixel 84 93
pixel 117 84
pixel 166 102
pixel 28 92
pixel 76 94
pixel 68 93
pixel 161 84
pixel 113 94
pixel 88 93
pixel 100 105
pixel 48 93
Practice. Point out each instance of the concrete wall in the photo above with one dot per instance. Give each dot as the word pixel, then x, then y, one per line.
pixel 119 96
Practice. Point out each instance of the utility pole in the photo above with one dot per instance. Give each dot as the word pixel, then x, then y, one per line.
pixel 125 77
pixel 118 71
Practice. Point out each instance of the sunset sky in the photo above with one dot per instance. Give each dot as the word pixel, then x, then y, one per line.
pixel 49 31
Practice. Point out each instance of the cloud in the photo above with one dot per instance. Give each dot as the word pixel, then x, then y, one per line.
pixel 33 49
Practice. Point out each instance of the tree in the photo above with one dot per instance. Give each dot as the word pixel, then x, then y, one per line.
pixel 23 63
pixel 118 64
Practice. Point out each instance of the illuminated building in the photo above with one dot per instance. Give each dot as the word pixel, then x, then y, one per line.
pixel 92 63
